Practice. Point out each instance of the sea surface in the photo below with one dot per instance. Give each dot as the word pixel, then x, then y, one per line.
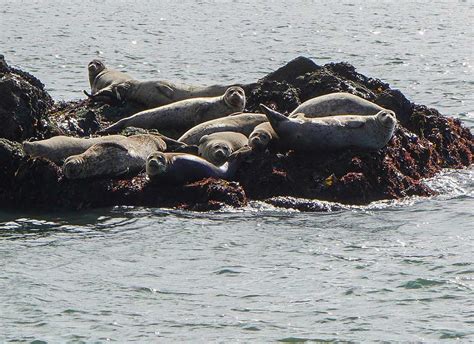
pixel 391 271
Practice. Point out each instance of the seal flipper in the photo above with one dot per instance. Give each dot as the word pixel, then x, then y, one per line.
pixel 274 117
pixel 355 124
pixel 166 89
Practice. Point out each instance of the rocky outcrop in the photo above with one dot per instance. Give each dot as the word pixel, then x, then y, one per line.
pixel 424 143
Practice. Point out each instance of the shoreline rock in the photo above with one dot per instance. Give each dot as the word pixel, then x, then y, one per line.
pixel 424 143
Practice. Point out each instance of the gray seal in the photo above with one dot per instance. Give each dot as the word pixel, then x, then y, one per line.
pixel 335 104
pixel 101 77
pixel 181 168
pixel 155 93
pixel 185 114
pixel 217 147
pixel 333 133
pixel 113 158
pixel 58 148
pixel 243 123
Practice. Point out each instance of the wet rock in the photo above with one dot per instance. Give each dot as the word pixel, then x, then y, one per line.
pixel 424 143
pixel 23 105
pixel 27 183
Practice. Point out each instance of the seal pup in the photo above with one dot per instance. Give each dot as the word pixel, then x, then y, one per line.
pixel 60 147
pixel 101 77
pixel 113 158
pixel 186 113
pixel 151 94
pixel 261 136
pixel 181 168
pixel 332 133
pixel 243 123
pixel 335 104
pixel 217 147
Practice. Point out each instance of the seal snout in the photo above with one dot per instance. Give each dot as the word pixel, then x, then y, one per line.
pixel 72 167
pixel 155 164
pixel 221 153
pixel 387 118
pixel 95 66
pixel 235 96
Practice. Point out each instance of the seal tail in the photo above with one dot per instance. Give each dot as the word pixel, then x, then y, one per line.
pixel 274 117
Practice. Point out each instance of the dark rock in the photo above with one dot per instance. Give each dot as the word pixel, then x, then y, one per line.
pixel 424 143
pixel 23 105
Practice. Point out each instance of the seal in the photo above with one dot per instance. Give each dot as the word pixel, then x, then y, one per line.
pixel 335 104
pixel 217 147
pixel 181 168
pixel 243 123
pixel 113 158
pixel 151 94
pixel 333 133
pixel 184 114
pixel 101 77
pixel 261 136
pixel 60 147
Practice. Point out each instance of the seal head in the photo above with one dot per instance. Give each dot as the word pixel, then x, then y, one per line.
pixel 234 97
pixel 156 164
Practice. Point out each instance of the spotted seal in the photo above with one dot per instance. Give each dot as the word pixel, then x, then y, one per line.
pixel 335 104
pixel 332 133
pixel 60 147
pixel 242 123
pixel 181 168
pixel 217 147
pixel 184 114
pixel 113 158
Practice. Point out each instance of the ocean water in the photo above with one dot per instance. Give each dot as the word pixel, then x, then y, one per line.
pixel 391 271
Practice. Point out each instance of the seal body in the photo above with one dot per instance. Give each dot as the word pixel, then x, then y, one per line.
pixel 261 136
pixel 58 148
pixel 151 94
pixel 101 77
pixel 333 133
pixel 181 168
pixel 186 113
pixel 113 158
pixel 217 147
pixel 335 104
pixel 243 123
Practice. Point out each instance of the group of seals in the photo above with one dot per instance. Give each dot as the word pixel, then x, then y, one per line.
pixel 216 127
pixel 109 85
pixel 185 114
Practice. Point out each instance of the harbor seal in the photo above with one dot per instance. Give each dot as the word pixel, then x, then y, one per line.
pixel 335 104
pixel 261 136
pixel 151 94
pixel 186 113
pixel 58 148
pixel 217 147
pixel 101 77
pixel 113 158
pixel 243 123
pixel 332 133
pixel 181 168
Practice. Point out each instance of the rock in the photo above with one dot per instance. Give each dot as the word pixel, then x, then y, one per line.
pixel 424 143
pixel 23 105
